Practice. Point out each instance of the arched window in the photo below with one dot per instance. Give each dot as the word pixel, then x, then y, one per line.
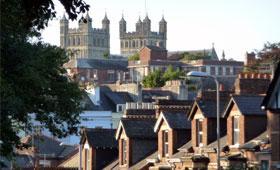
pixel 102 43
pixel 121 44
pixel 133 44
pixel 69 41
pixel 73 41
pixel 141 43
pixel 126 44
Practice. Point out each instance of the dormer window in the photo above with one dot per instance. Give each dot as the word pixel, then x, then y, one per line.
pixel 236 130
pixel 124 152
pixel 165 143
pixel 199 132
pixel 119 108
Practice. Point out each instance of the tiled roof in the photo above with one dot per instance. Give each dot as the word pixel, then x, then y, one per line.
pixel 48 145
pixel 256 142
pixel 100 137
pixel 113 166
pixel 141 164
pixel 271 87
pixel 208 108
pixel 118 97
pixel 177 120
pixel 101 64
pixel 155 48
pixel 223 142
pixel 247 105
pixel 139 128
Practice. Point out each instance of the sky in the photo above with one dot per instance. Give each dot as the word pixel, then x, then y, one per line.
pixel 235 26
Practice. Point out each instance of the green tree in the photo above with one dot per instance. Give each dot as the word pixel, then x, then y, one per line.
pixel 32 78
pixel 106 55
pixel 172 74
pixel 134 57
pixel 154 79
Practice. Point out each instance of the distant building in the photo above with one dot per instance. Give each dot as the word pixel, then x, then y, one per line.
pixel 85 41
pixel 99 71
pixel 132 42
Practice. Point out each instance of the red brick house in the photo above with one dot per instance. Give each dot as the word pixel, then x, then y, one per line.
pixel 136 137
pixel 271 104
pixel 243 114
pixel 150 52
pixel 99 148
pixel 100 71
pixel 173 131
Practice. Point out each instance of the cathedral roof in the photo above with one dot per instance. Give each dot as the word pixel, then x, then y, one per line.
pixel 139 21
pixel 122 20
pixel 105 19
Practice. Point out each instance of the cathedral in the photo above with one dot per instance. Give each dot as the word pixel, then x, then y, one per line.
pixel 86 41
pixel 132 42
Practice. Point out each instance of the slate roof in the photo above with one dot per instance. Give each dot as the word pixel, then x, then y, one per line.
pixel 48 145
pixel 113 166
pixel 141 164
pixel 119 97
pixel 208 108
pixel 139 128
pixel 155 48
pixel 177 120
pixel 100 64
pixel 100 137
pixel 256 142
pixel 149 95
pixel 223 142
pixel 174 102
pixel 247 105
pixel 271 87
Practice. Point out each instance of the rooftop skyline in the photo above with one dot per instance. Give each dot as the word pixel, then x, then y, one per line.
pixel 235 26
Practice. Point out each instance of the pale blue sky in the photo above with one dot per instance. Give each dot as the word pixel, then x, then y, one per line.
pixel 235 26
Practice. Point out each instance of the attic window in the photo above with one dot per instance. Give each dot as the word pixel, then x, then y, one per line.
pixel 236 130
pixel 124 152
pixel 199 132
pixel 165 143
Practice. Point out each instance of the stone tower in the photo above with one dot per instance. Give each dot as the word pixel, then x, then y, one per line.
pixel 132 42
pixel 85 41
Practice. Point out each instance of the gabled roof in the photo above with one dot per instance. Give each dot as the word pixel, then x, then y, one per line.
pixel 272 88
pixel 99 137
pixel 175 121
pixel 247 105
pixel 155 48
pixel 100 64
pixel 207 107
pixel 143 163
pixel 118 97
pixel 137 128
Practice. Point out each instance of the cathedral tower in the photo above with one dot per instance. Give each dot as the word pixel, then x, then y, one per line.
pixel 106 23
pixel 122 27
pixel 63 31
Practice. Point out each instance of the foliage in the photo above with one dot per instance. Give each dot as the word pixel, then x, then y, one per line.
pixel 106 55
pixel 158 78
pixel 134 57
pixel 32 78
pixel 194 56
pixel 154 79
pixel 172 74
pixel 269 54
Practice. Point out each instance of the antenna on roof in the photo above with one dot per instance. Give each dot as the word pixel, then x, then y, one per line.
pixel 146 8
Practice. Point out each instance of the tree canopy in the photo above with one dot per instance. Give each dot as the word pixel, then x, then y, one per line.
pixel 33 80
pixel 134 57
pixel 158 78
pixel 194 56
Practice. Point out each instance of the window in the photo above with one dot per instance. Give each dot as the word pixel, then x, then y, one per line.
pixel 212 70
pixel 124 152
pixel 120 108
pixel 199 132
pixel 94 42
pixel 78 41
pixel 220 70
pixel 228 71
pixel 87 158
pixel 165 143
pixel 235 130
pixel 110 75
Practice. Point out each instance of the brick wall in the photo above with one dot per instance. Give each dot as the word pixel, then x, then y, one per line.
pixel 252 83
pixel 147 54
pixel 194 137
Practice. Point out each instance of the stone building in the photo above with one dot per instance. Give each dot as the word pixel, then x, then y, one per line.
pixel 132 42
pixel 85 41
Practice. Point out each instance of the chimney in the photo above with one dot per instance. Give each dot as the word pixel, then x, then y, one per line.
pixel 251 83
